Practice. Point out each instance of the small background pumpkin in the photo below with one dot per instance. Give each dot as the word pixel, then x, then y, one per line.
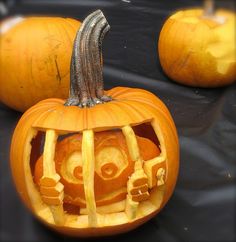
pixel 35 55
pixel 124 140
pixel 197 47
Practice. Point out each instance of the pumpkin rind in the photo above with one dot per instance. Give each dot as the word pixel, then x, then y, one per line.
pixel 199 51
pixel 160 117
pixel 35 53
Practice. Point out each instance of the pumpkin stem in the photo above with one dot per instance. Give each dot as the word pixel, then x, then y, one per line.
pixel 86 84
pixel 209 8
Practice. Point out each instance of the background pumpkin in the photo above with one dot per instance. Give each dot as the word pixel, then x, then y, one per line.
pixel 136 123
pixel 35 55
pixel 197 47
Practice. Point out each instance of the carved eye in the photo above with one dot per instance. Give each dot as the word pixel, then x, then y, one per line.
pixel 78 172
pixel 71 168
pixel 109 170
pixel 110 162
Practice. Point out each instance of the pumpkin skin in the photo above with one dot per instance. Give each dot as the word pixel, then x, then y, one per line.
pixel 199 51
pixel 131 106
pixel 120 149
pixel 35 53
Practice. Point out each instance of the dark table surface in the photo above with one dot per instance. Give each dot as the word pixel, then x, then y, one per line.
pixel 202 207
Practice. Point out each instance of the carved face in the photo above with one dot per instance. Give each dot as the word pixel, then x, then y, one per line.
pixel 113 166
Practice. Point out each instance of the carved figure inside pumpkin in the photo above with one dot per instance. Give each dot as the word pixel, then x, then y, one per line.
pixel 113 168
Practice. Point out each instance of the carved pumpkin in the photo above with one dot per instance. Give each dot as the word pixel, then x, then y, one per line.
pixel 35 55
pixel 99 163
pixel 197 47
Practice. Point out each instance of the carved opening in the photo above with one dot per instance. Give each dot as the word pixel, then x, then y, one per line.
pixel 37 144
pixel 66 166
pixel 64 136
pixel 113 167
pixel 146 130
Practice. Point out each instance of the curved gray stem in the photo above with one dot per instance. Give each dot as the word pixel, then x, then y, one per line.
pixel 86 87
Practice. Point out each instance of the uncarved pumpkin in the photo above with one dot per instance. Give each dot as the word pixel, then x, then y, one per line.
pixel 197 47
pixel 98 163
pixel 35 55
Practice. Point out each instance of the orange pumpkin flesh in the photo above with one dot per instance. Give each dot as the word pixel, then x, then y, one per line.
pixel 198 50
pixel 122 163
pixel 109 177
pixel 35 53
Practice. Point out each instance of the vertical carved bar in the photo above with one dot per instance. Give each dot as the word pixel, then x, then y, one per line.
pixel 50 187
pixel 138 182
pixel 132 146
pixel 88 164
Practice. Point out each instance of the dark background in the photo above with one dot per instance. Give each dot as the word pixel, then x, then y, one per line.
pixel 202 207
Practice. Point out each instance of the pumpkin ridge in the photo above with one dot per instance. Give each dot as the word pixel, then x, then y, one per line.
pixel 141 99
pixel 117 91
pixel 35 110
pixel 54 101
pixel 43 115
pixel 119 110
pixel 131 111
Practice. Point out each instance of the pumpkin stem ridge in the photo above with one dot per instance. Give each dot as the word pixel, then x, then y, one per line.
pixel 209 8
pixel 86 84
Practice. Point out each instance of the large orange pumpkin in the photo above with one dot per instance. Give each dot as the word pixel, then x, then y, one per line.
pixel 197 47
pixel 35 53
pixel 99 163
